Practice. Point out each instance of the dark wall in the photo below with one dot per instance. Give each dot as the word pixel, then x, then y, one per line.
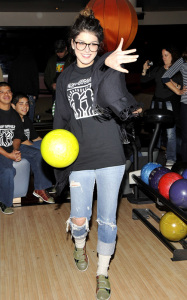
pixel 40 40
pixel 148 42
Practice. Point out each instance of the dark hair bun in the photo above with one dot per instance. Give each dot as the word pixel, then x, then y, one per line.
pixel 88 13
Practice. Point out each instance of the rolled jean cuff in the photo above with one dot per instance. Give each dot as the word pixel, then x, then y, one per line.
pixel 105 248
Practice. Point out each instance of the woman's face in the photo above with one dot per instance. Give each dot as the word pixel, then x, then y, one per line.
pixel 85 57
pixel 167 57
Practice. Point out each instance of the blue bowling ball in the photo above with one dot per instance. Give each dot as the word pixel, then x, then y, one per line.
pixel 155 176
pixel 178 193
pixel 147 169
pixel 184 174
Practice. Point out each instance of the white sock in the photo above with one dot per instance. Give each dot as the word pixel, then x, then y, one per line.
pixel 80 243
pixel 103 264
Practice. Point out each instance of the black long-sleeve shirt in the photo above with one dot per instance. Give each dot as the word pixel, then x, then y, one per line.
pixel 179 65
pixel 161 90
pixel 79 90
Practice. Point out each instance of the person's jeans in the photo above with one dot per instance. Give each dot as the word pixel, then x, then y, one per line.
pixel 183 119
pixel 32 104
pixel 7 173
pixel 108 182
pixel 171 136
pixel 37 144
pixel 38 166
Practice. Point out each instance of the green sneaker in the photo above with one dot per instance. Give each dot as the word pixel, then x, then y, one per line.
pixel 103 291
pixel 6 210
pixel 81 258
pixel 51 190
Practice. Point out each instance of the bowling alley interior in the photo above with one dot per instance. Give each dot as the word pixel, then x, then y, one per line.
pixel 150 258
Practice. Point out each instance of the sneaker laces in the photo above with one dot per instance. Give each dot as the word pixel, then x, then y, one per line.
pixel 43 193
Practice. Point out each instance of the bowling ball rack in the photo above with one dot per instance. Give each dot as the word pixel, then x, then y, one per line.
pixel 144 214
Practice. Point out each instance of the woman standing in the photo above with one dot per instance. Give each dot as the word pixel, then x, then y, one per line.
pixel 164 97
pixel 79 102
pixel 180 65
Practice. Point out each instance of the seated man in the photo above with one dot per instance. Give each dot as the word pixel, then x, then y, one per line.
pixel 11 134
pixel 21 104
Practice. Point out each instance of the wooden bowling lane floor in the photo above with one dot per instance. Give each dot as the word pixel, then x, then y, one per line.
pixel 37 262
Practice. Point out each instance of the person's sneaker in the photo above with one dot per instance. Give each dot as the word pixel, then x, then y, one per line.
pixel 44 195
pixel 51 190
pixel 81 258
pixel 103 291
pixel 6 210
pixel 67 195
pixel 169 162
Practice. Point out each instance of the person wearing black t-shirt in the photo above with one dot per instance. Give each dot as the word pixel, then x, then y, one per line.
pixel 11 134
pixel 55 65
pixel 163 97
pixel 31 147
pixel 84 109
pixel 180 66
pixel 21 104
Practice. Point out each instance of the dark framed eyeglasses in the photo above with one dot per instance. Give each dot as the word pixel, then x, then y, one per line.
pixel 92 46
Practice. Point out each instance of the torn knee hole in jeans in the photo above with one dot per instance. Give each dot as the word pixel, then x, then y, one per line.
pixel 111 224
pixel 75 184
pixel 69 223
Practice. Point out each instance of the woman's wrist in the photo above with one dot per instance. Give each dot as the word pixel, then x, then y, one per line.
pixel 178 92
pixel 144 72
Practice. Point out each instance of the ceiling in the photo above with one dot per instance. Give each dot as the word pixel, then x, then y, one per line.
pixel 42 5
pixel 77 5
pixel 164 5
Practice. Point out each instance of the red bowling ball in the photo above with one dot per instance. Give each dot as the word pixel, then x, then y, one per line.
pixel 165 183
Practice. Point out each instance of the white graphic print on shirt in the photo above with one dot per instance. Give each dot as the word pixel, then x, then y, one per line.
pixel 80 96
pixel 27 133
pixel 6 135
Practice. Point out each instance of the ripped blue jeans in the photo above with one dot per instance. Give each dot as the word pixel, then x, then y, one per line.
pixel 108 182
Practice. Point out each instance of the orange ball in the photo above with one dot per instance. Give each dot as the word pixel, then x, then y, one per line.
pixel 59 148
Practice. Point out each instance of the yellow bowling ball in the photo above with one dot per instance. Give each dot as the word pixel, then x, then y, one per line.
pixel 59 148
pixel 172 227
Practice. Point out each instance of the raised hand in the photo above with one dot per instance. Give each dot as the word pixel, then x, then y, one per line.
pixel 138 111
pixel 118 57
